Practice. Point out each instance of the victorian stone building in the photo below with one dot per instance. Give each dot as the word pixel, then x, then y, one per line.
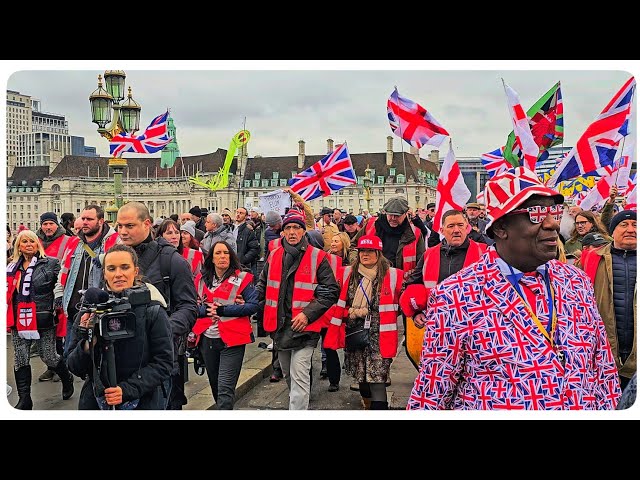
pixel 71 182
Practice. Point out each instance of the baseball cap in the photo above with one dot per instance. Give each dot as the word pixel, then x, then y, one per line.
pixel 594 240
pixel 370 242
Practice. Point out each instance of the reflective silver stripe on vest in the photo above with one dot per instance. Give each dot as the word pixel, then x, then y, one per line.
pixel 341 303
pixel 430 284
pixel 394 279
pixel 410 258
pixel 336 321
pixel 388 327
pixel 271 303
pixel 201 288
pixel 234 290
pixel 389 308
pixel 191 255
pixel 314 265
pixel 299 304
pixel 306 286
pixel 273 283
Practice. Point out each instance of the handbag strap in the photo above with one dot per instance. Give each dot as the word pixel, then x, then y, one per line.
pixel 367 319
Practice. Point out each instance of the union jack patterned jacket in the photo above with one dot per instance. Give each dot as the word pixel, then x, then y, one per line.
pixel 483 351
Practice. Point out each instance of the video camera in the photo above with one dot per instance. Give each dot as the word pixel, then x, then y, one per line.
pixel 112 317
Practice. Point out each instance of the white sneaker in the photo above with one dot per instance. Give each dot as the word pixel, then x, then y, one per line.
pixel 270 346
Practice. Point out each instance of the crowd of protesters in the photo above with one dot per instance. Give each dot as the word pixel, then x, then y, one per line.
pixel 523 302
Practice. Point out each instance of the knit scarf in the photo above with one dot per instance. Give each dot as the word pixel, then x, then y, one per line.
pixel 362 297
pixel 27 324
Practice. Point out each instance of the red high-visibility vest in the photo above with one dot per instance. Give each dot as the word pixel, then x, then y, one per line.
pixel 273 244
pixel 233 330
pixel 409 252
pixel 431 266
pixel 388 307
pixel 195 258
pixel 57 247
pixel 590 262
pixel 305 283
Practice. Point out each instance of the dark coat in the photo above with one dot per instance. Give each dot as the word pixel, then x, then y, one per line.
pixel 43 280
pixel 325 296
pixel 247 246
pixel 143 362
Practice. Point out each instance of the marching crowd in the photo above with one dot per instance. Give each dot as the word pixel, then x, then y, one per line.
pixel 524 302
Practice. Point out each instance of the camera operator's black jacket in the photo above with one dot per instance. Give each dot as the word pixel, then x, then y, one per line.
pixel 143 362
pixel 182 299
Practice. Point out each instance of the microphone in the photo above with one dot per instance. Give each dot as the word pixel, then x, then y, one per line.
pixel 94 296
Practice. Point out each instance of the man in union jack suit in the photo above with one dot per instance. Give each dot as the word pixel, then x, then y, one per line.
pixel 518 329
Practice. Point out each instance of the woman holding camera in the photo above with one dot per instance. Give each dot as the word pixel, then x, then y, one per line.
pixel 223 327
pixel 143 362
pixel 31 276
pixel 369 300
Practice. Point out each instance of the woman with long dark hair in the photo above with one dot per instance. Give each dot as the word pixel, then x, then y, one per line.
pixel 183 238
pixel 223 328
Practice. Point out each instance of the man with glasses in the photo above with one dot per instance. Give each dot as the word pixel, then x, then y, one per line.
pixel 296 287
pixel 518 329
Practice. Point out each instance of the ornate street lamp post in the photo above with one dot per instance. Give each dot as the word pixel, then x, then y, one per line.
pixel 126 118
pixel 367 181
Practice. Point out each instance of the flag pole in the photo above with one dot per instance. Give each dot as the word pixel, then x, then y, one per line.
pixel 244 127
pixel 404 163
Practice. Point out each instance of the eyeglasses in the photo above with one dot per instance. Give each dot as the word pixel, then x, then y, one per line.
pixel 538 213
pixel 580 224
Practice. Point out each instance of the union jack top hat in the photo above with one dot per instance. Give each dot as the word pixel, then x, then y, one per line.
pixel 510 189
pixel 370 242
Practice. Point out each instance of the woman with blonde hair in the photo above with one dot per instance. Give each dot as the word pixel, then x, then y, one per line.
pixel 31 277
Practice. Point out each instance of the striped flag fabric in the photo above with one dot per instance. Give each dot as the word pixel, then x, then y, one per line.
pixel 330 174
pixel 413 123
pixel 494 162
pixel 154 139
pixel 598 145
pixel 451 191
pixel 522 131
pixel 546 120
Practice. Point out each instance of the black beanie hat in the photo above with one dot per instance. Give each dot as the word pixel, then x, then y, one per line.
pixel 195 211
pixel 49 216
pixel 621 216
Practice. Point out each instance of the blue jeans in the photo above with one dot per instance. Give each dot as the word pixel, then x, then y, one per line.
pixel 223 365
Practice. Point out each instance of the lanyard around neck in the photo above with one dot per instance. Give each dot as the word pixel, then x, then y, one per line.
pixel 550 330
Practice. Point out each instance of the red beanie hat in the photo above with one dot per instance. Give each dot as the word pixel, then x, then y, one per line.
pixel 414 299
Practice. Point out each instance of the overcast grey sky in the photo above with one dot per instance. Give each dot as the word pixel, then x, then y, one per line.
pixel 285 101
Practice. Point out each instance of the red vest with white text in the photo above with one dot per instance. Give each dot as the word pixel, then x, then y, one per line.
pixel 233 330
pixel 388 307
pixel 305 283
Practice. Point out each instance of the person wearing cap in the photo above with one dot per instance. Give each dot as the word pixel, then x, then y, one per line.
pixel 518 328
pixel 272 234
pixel 402 242
pixel 613 272
pixel 351 226
pixel 594 240
pixel 296 287
pixel 369 299
pixel 189 247
pixel 473 211
pixel 327 227
pixel 455 252
pixel 196 216
pixel 226 218
pixel 55 240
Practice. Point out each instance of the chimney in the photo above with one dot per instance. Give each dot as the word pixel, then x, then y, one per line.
pixel 55 157
pixel 329 145
pixel 300 154
pixel 415 152
pixel 434 156
pixel 389 150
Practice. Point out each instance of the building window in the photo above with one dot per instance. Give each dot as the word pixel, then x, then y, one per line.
pixel 283 182
pixel 256 175
pixel 274 182
pixel 247 183
pixel 275 175
pixel 392 171
pixel 265 183
pixel 380 179
pixel 400 178
pixel 400 190
pixel 256 183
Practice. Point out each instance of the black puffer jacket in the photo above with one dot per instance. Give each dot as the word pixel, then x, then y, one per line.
pixel 43 279
pixel 247 246
pixel 143 362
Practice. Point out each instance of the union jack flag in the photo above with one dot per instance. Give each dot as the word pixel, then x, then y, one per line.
pixel 330 174
pixel 413 123
pixel 598 145
pixel 494 162
pixel 154 139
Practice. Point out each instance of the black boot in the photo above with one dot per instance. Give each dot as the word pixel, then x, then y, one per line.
pixel 23 384
pixel 323 371
pixel 375 405
pixel 66 378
